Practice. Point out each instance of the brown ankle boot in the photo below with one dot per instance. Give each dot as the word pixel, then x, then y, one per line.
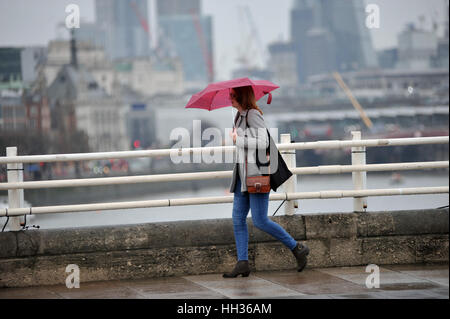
pixel 241 268
pixel 300 252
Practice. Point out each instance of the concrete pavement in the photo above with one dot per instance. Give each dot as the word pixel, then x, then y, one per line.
pixel 417 281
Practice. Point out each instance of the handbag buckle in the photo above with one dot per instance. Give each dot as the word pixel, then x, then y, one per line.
pixel 258 187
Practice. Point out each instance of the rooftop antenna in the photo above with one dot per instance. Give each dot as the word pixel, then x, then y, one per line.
pixel 73 50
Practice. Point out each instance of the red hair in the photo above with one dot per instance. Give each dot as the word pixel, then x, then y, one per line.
pixel 246 98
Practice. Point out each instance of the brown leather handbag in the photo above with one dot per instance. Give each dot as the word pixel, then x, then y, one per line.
pixel 257 184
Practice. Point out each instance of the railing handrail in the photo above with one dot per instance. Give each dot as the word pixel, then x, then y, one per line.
pixel 311 170
pixel 327 144
pixel 218 200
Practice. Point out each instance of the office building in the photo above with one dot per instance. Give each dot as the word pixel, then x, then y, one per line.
pixel 283 64
pixel 188 35
pixel 123 25
pixel 330 35
pixel 10 67
pixel 178 7
pixel 416 48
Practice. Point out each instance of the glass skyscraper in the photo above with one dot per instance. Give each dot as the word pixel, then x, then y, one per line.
pixel 121 22
pixel 330 35
pixel 189 34
pixel 178 7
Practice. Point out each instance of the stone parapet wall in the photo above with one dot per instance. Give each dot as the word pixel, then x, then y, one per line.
pixel 40 257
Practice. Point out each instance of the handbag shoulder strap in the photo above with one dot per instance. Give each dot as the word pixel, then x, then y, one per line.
pixel 268 147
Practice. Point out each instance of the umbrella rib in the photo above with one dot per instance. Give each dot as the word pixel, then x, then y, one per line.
pixel 214 96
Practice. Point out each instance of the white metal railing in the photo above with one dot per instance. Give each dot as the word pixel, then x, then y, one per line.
pixel 200 150
pixel 314 170
pixel 359 168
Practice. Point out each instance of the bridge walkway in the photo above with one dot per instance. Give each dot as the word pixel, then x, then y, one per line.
pixel 414 281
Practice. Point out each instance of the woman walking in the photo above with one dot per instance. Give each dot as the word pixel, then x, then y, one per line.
pixel 250 117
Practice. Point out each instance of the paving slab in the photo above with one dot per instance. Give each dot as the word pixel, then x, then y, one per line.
pixel 249 287
pixel 305 297
pixel 407 294
pixel 367 295
pixel 358 275
pixel 28 293
pixel 439 293
pixel 170 288
pixel 312 282
pixel 96 290
pixel 434 273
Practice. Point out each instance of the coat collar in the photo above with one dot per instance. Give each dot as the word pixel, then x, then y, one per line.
pixel 239 117
pixel 243 113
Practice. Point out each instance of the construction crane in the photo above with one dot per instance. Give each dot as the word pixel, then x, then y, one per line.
pixel 141 19
pixel 204 47
pixel 247 51
pixel 353 100
pixel 243 49
pixel 145 25
pixel 255 34
pixel 198 27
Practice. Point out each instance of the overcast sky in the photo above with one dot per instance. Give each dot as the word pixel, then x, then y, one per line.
pixel 25 22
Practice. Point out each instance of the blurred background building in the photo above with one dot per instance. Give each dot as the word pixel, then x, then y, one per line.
pixel 120 82
pixel 330 35
pixel 186 33
pixel 121 29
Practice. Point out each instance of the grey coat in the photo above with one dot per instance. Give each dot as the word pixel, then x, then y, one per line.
pixel 247 141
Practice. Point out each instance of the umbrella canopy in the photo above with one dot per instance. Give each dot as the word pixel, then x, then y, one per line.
pixel 217 95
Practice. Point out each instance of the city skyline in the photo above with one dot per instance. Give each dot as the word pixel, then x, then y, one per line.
pixel 228 27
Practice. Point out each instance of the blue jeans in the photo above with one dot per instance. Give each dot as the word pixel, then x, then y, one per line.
pixel 259 204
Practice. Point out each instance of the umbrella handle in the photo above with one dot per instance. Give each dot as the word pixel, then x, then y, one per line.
pixel 269 99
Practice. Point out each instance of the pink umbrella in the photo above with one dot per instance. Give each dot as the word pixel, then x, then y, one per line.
pixel 217 95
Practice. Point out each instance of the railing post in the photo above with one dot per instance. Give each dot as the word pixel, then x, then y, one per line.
pixel 290 185
pixel 359 178
pixel 15 196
